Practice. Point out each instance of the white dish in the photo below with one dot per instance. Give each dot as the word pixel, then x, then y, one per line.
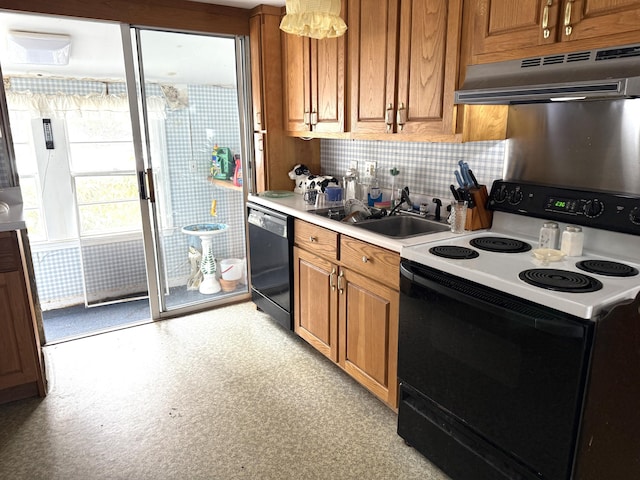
pixel 548 254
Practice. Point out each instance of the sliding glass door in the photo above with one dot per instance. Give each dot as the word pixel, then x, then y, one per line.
pixel 188 134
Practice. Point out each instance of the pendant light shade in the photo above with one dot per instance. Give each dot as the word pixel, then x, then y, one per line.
pixel 313 18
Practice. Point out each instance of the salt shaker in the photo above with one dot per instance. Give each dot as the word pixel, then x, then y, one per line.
pixel 572 241
pixel 549 235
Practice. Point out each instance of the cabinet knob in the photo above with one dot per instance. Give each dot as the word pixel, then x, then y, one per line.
pixel 313 239
pixel 364 259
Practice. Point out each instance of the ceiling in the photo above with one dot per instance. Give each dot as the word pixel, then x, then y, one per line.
pixel 96 50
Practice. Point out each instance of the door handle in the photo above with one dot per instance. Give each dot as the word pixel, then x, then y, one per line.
pixel 340 286
pixel 388 118
pixel 332 283
pixel 401 116
pixel 567 18
pixel 152 188
pixel 545 19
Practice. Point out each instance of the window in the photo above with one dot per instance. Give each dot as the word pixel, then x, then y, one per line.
pixel 27 166
pixel 87 185
pixel 103 166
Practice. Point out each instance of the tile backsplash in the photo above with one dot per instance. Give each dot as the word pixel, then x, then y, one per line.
pixel 426 168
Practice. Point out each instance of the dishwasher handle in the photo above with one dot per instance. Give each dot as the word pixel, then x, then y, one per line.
pixel 273 222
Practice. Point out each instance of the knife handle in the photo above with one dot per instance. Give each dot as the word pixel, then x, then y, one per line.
pixel 454 192
pixel 459 178
pixel 465 174
pixel 473 179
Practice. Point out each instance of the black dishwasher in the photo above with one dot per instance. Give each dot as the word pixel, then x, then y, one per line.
pixel 270 253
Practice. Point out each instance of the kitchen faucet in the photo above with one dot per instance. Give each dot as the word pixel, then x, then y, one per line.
pixel 404 198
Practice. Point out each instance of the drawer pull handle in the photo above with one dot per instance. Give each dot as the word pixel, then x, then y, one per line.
pixel 313 239
pixel 365 259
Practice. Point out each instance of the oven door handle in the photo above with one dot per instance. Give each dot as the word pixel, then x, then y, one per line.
pixel 472 295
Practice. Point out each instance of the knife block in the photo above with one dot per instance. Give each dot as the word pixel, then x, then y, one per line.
pixel 479 216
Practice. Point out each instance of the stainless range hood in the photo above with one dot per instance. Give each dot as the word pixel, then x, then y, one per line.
pixel 608 73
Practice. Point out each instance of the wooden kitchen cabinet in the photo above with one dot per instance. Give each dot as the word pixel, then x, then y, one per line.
pixel 316 301
pixel 21 366
pixel 275 153
pixel 346 303
pixel 314 83
pixel 503 29
pixel 403 66
pixel 368 287
pixel 315 273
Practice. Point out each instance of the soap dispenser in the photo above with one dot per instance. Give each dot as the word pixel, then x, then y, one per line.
pixel 375 194
pixel 395 187
pixel 350 181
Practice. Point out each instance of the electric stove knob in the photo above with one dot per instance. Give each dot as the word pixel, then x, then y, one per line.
pixel 593 208
pixel 634 216
pixel 501 194
pixel 516 197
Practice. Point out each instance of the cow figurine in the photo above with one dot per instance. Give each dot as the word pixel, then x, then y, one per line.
pixel 305 180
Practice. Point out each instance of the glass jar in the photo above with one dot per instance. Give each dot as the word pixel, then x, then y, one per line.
pixel 572 241
pixel 549 235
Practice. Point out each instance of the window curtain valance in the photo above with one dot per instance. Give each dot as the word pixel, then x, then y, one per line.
pixel 45 105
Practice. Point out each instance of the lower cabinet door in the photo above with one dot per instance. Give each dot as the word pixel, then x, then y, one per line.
pixel 17 353
pixel 369 334
pixel 315 302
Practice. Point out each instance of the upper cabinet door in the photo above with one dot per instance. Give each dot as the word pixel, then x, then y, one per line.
pixel 328 83
pixel 297 83
pixel 255 34
pixel 503 29
pixel 588 19
pixel 314 83
pixel 373 36
pixel 427 66
pixel 503 25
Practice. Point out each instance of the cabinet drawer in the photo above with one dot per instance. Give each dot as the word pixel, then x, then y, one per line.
pixel 9 252
pixel 316 239
pixel 377 263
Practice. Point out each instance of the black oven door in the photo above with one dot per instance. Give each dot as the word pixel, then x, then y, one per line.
pixel 509 371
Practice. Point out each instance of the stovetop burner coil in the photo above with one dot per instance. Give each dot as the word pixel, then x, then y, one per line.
pixel 608 268
pixel 500 244
pixel 454 252
pixel 560 280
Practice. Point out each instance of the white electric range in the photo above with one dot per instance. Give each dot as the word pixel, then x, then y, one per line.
pixel 585 286
pixel 501 378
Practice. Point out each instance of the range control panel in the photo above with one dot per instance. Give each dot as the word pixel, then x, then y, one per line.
pixel 608 211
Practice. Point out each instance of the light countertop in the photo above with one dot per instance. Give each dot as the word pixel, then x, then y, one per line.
pixel 14 218
pixel 294 205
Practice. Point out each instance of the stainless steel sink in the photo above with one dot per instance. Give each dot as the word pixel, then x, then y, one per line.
pixel 402 226
pixel 335 213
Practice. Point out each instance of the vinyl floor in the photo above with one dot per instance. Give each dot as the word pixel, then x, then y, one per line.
pixel 222 394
